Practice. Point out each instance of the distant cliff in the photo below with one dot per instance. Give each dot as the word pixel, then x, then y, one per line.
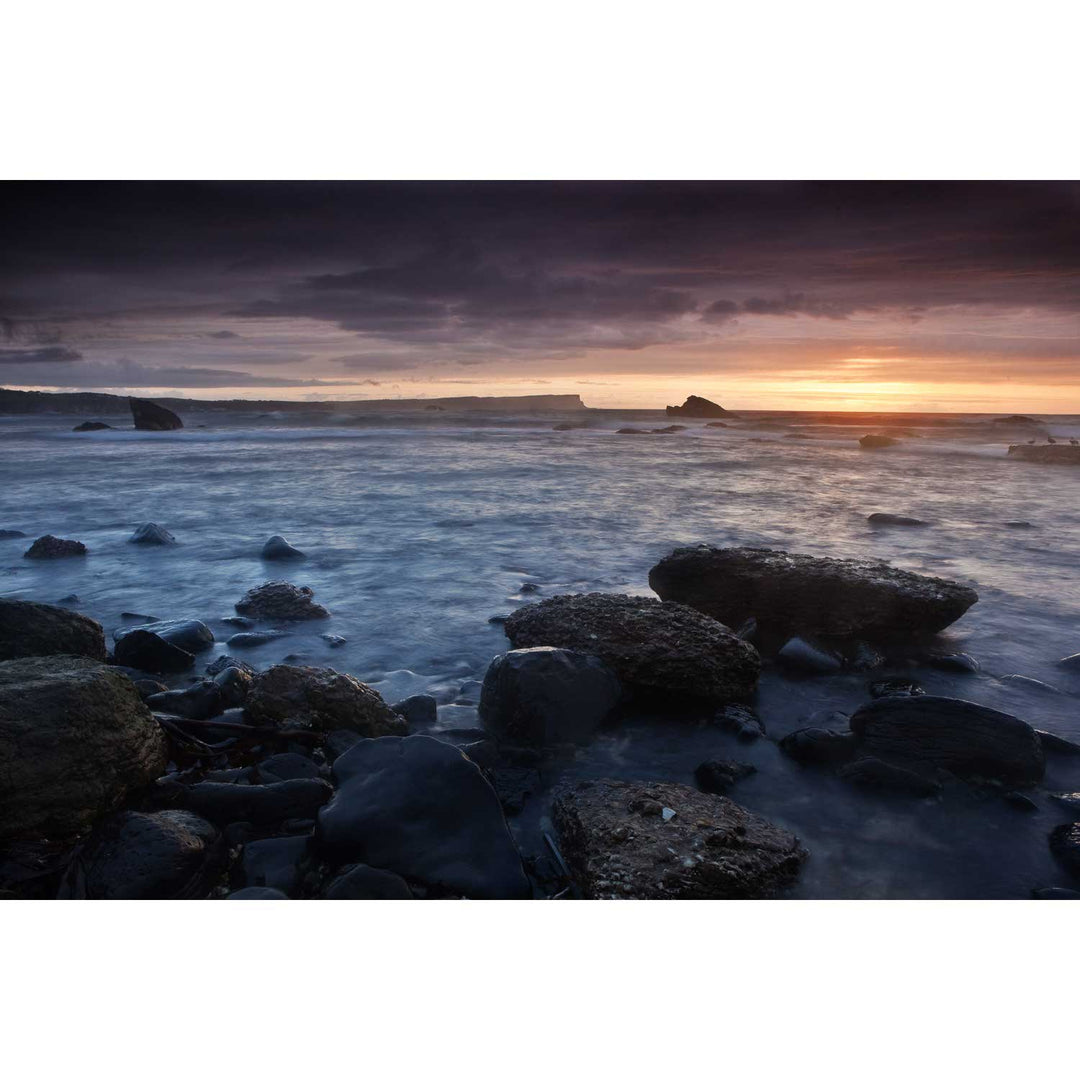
pixel 26 402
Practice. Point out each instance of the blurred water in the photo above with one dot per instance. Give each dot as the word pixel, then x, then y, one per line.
pixel 419 532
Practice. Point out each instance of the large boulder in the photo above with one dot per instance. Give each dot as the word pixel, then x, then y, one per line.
pixel 926 733
pixel 151 417
pixel 805 594
pixel 661 841
pixel 278 548
pixel 52 547
pixel 29 629
pixel 281 601
pixel 421 809
pixel 169 855
pixel 546 695
pixel 322 699
pixel 697 408
pixel 649 645
pixel 75 738
pixel 188 634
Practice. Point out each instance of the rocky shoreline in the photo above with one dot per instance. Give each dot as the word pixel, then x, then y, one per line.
pixel 301 782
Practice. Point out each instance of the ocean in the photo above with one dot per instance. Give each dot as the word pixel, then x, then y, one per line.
pixel 420 530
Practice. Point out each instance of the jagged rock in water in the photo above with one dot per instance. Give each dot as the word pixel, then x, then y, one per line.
pixel 30 629
pixel 92 425
pixel 819 746
pixel 649 645
pixel 877 442
pixel 804 594
pixel 279 600
pixel 188 634
pixel 11 534
pixel 75 739
pixel 417 709
pixel 168 855
pixel 969 740
pixel 322 699
pixel 150 533
pixel 1047 453
pixel 52 547
pixel 741 721
pixel 421 809
pixel 545 695
pixel 199 702
pixel 809 659
pixel 657 841
pixel 220 663
pixel 697 408
pixel 144 650
pixel 151 417
pixel 895 688
pixel 895 519
pixel 717 777
pixel 278 548
pixel 1065 847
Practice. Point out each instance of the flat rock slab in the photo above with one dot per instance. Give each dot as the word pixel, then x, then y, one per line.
pixel 421 809
pixel 803 594
pixel 650 645
pixel 661 841
pixel 29 629
pixel 967 739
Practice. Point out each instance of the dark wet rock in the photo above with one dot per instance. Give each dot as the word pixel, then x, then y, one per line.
pixel 260 804
pixel 529 587
pixel 961 663
pixel 650 645
pixel 669 430
pixel 895 519
pixel 188 634
pixel 565 427
pixel 1068 799
pixel 220 663
pixel 338 741
pixel 152 534
pixel 168 855
pixel 1016 421
pixel 498 620
pixel 149 416
pixel 877 442
pixel 653 841
pixel 233 684
pixel 238 620
pixel 279 862
pixel 697 408
pixel 29 629
pixel 199 702
pixel 366 883
pixel 11 534
pixel 52 547
pixel 545 695
pixel 512 770
pixel 716 423
pixel 1070 663
pixel 1037 686
pixel 149 687
pixel 1065 847
pixel 871 772
pixel 741 721
pixel 718 777
pixel 1055 744
pixel 895 688
pixel 967 739
pixel 136 617
pixel 322 699
pixel 287 766
pixel 93 425
pixel 278 548
pixel 75 739
pixel 256 892
pixel 146 651
pixel 819 746
pixel 1019 801
pixel 864 657
pixel 252 639
pixel 800 655
pixel 335 641
pixel 803 594
pixel 280 600
pixel 1047 453
pixel 71 598
pixel 1018 525
pixel 632 431
pixel 420 808
pixel 1055 894
pixel 418 709
pixel 748 630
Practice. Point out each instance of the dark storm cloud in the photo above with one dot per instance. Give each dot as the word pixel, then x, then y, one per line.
pixel 53 354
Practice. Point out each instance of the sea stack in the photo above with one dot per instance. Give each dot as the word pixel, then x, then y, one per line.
pixel 151 417
pixel 697 408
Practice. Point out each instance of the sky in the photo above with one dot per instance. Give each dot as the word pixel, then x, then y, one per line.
pixel 785 295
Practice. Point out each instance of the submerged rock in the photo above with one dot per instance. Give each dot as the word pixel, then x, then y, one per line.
pixel 1070 663
pixel 1065 847
pixel 962 663
pixel 877 442
pixel 75 739
pixel 803 594
pixel 257 892
pixel 252 639
pixel 152 534
pixel 1047 453
pixel 220 663
pixel 1024 682
pixel 657 841
pixel 418 709
pixel 421 809
pixel 632 431
pixel 819 746
pixel 742 721
pixel 895 519
pixel 146 651
pixel 322 699
pixel 92 425
pixel 29 629
pixel 717 777
pixel 545 695
pixel 199 702
pixel 188 634
pixel 52 547
pixel 1055 744
pixel 11 534
pixel 800 655
pixel 650 645
pixel 281 600
pixel 260 804
pixel 895 688
pixel 698 408
pixel 366 883
pixel 278 862
pixel 874 773
pixel 278 548
pixel 149 416
pixel 935 732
